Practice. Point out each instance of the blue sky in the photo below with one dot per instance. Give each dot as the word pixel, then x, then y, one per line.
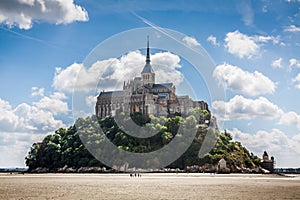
pixel 254 45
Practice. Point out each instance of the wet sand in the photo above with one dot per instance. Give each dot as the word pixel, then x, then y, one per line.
pixel 149 186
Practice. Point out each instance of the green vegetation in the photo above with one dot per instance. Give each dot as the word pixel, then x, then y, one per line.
pixel 234 153
pixel 65 148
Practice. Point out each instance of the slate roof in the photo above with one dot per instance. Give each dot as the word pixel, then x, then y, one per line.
pixel 137 78
pixel 111 93
pixel 162 85
pixel 147 68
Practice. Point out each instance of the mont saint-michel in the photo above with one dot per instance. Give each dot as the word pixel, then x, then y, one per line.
pixel 144 95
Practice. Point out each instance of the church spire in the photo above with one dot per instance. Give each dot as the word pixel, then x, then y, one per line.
pixel 148 51
pixel 148 75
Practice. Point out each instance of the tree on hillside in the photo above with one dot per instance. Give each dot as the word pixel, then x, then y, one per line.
pixel 65 147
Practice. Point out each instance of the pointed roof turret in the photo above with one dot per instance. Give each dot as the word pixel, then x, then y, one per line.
pixel 148 67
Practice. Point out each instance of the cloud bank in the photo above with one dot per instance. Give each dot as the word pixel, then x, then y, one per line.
pixel 40 117
pixel 110 74
pixel 240 107
pixel 244 82
pixel 244 46
pixel 23 13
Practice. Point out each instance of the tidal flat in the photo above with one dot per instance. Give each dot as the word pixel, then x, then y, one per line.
pixel 148 186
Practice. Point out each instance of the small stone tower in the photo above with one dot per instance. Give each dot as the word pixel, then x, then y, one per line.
pixel 267 163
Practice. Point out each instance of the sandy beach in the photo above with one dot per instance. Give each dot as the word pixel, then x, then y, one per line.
pixel 149 186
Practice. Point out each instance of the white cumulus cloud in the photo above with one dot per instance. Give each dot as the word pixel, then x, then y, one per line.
pixel 8 119
pixel 213 40
pixel 241 45
pixel 54 103
pixel 36 118
pixel 24 124
pixel 277 63
pixel 23 13
pixel 91 101
pixel 111 73
pixel 294 63
pixel 244 46
pixel 37 91
pixel 264 39
pixel 14 147
pixel 32 118
pixel 292 28
pixel 64 79
pixel 190 41
pixel 166 67
pixel 244 82
pixel 290 118
pixel 240 107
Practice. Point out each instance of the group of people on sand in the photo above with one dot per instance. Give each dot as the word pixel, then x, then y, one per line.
pixel 135 175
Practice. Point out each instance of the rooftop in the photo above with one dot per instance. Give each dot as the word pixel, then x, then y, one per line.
pixel 147 68
pixel 111 93
pixel 162 85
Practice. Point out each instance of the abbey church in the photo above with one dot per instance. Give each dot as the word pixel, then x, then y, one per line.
pixel 142 94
